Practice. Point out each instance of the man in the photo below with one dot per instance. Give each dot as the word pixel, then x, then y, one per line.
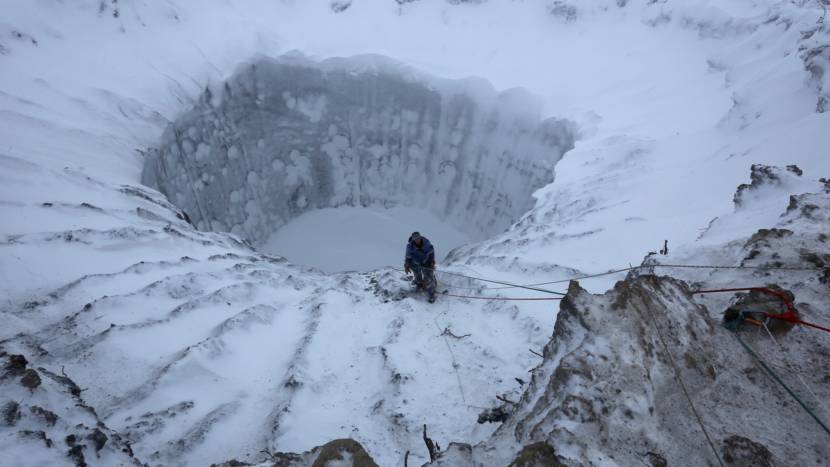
pixel 420 260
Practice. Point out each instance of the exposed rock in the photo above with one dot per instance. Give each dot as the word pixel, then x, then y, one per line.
pixel 762 237
pixel 656 460
pixel 76 453
pixel 64 380
pixel 743 452
pixel 564 10
pixel 288 459
pixel 494 415
pixel 10 413
pixel 338 6
pixel 46 415
pixel 343 449
pixel 15 366
pixel 819 260
pixel 236 463
pixel 539 454
pixel 761 175
pixel 30 379
pixel 344 452
pixel 816 62
pixel 41 435
pixel 803 204
pixel 622 369
pixel 98 438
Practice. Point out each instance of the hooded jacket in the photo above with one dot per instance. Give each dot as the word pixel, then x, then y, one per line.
pixel 420 256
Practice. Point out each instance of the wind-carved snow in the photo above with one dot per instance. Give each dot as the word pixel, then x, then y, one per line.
pixel 283 137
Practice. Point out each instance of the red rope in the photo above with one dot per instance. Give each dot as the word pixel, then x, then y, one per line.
pixel 789 316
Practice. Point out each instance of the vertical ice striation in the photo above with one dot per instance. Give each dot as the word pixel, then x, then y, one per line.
pixel 284 136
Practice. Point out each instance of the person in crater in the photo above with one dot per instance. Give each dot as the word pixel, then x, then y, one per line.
pixel 420 261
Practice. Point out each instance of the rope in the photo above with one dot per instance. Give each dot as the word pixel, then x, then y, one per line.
pixel 499 298
pixel 489 280
pixel 733 326
pixel 528 287
pixel 454 363
pixel 632 268
pixel 683 387
pixel 793 370
pixel 798 321
pixel 702 266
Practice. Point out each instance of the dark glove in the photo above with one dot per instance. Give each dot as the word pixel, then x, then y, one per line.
pixel 406 268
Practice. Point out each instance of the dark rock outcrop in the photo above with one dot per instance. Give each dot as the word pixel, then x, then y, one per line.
pixel 10 413
pixel 30 380
pixel 342 452
pixel 739 451
pixel 539 454
pixel 15 366
pixel 764 175
pixel 627 374
pixel 343 449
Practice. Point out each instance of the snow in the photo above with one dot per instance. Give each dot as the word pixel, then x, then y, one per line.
pixel 359 239
pixel 669 102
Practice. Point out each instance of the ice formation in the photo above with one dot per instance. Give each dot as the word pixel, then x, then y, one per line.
pixel 289 135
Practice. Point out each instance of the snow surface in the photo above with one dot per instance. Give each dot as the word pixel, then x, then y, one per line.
pixel 359 239
pixel 229 352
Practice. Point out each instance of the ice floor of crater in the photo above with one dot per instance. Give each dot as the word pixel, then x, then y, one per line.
pixel 359 238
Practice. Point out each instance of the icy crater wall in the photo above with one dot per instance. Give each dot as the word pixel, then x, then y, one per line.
pixel 284 136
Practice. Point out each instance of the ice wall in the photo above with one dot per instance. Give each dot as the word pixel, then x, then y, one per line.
pixel 288 135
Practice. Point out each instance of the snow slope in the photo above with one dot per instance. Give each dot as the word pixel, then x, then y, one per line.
pixel 197 349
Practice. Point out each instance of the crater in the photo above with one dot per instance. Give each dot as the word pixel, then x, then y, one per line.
pixel 333 163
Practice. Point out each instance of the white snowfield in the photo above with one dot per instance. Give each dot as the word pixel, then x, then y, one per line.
pixel 194 348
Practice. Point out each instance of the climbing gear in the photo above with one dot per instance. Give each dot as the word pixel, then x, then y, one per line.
pixel 733 326
pixel 790 315
pixel 501 298
pixel 498 282
pixel 679 266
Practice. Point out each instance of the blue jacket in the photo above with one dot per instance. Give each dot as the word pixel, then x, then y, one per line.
pixel 420 256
